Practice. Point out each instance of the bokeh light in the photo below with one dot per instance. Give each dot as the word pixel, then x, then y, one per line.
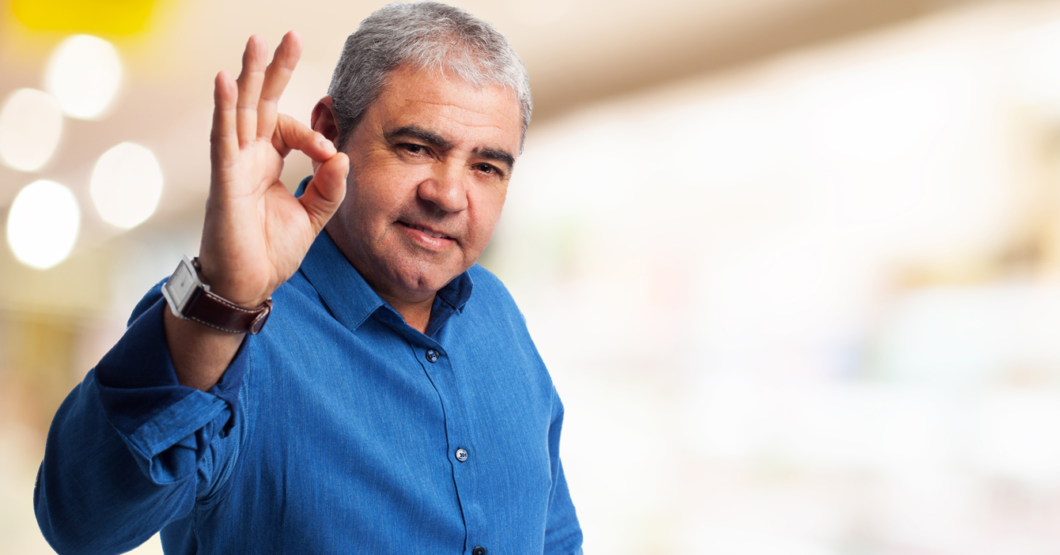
pixel 30 126
pixel 83 74
pixel 126 185
pixel 43 224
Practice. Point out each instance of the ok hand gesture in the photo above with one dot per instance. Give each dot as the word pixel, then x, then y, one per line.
pixel 256 233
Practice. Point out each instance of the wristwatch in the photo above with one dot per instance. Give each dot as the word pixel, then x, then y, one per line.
pixel 191 299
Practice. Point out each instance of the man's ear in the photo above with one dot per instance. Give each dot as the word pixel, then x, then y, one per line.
pixel 323 119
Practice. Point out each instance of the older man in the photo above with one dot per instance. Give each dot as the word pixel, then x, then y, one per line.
pixel 394 402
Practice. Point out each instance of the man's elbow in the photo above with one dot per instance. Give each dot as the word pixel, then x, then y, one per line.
pixel 59 537
pixel 66 532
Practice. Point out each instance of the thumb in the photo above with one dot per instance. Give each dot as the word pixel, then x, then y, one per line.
pixel 325 192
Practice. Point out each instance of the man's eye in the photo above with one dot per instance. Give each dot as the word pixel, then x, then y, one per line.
pixel 486 168
pixel 413 149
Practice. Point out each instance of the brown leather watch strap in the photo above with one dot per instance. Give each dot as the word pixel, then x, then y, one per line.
pixel 221 314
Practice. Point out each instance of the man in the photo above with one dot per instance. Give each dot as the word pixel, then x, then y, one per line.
pixel 394 402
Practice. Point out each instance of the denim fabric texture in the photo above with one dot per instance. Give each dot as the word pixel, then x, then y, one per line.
pixel 335 430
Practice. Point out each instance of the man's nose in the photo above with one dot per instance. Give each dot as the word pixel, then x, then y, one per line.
pixel 446 187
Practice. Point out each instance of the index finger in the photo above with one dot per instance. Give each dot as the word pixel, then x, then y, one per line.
pixel 277 75
pixel 292 134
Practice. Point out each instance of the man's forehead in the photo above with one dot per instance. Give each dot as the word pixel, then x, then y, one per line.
pixel 445 104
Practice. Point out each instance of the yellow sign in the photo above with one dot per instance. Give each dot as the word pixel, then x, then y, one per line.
pixel 100 17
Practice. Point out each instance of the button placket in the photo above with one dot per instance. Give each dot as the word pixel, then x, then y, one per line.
pixel 441 373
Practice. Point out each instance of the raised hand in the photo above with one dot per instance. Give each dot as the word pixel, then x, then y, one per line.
pixel 256 233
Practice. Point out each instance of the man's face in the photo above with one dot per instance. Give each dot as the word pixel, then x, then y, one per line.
pixel 430 162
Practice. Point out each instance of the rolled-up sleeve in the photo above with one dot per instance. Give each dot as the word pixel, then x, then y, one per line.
pixel 128 449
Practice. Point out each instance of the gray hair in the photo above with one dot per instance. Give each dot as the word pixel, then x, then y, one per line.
pixel 425 35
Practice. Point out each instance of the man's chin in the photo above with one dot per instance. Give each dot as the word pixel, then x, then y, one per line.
pixel 420 281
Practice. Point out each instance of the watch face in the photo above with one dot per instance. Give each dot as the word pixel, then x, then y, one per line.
pixel 181 283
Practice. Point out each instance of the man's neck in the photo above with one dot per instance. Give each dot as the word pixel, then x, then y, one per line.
pixel 416 314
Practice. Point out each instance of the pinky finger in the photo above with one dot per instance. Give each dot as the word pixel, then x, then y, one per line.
pixel 224 140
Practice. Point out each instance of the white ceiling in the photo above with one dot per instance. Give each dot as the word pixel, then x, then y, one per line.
pixel 577 51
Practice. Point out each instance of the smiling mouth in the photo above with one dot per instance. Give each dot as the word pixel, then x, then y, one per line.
pixel 426 231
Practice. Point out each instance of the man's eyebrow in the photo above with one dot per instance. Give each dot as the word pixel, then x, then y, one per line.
pixel 497 156
pixel 436 140
pixel 420 133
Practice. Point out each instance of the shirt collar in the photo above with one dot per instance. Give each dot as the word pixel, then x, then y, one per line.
pixel 449 299
pixel 351 300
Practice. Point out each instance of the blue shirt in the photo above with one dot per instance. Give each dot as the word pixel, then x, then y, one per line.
pixel 338 429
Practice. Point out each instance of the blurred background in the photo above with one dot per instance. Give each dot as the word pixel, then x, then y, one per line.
pixel 794 264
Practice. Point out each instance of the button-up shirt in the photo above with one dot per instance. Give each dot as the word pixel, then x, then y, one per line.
pixel 338 429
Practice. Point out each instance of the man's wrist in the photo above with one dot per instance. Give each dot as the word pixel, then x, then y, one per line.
pixel 189 298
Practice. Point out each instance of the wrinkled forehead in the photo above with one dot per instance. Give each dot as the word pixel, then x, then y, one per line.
pixel 438 93
pixel 463 70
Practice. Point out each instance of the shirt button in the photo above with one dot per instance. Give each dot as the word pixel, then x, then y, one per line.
pixel 432 355
pixel 461 455
pixel 479 551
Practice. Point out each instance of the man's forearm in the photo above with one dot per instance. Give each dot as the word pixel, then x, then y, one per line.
pixel 117 467
pixel 200 354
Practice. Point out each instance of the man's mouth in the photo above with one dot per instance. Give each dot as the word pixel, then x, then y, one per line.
pixel 435 234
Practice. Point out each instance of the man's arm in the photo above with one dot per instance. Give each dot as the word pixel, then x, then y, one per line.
pixel 136 443
pixel 130 449
pixel 256 233
pixel 563 535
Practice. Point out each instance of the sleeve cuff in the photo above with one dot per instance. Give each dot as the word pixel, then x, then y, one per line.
pixel 167 426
